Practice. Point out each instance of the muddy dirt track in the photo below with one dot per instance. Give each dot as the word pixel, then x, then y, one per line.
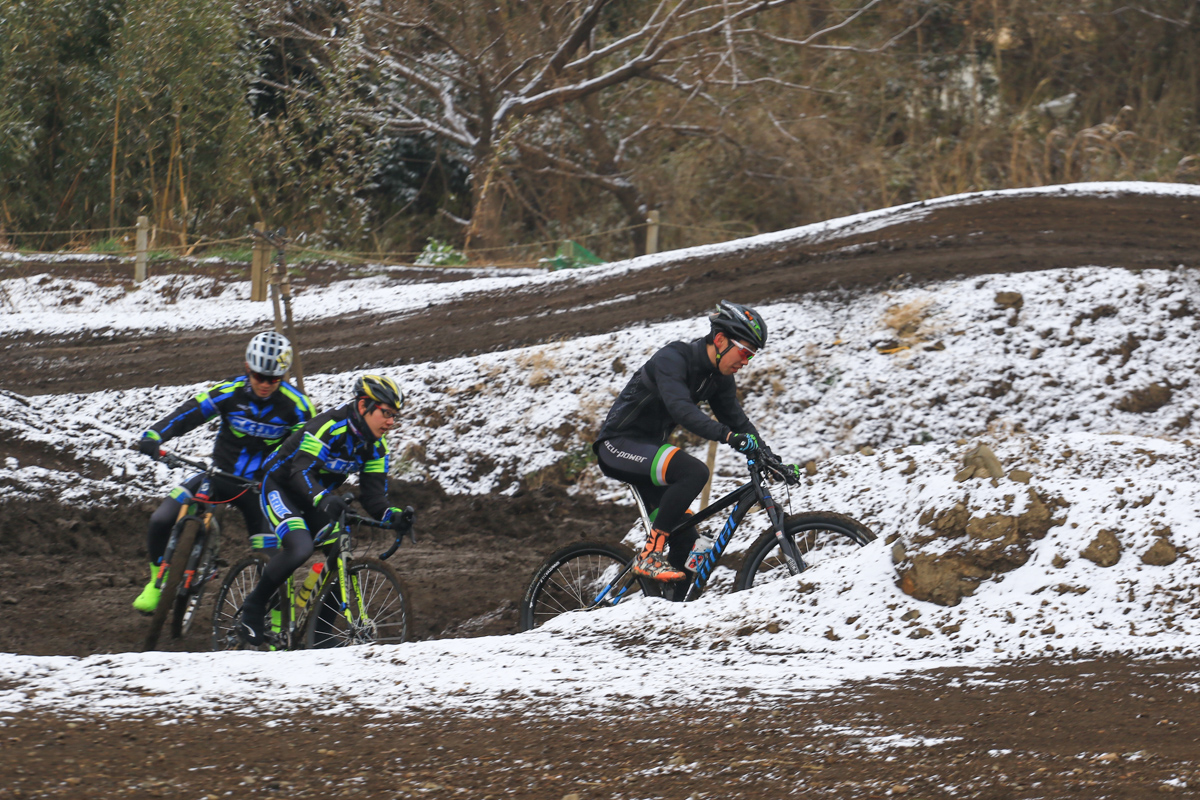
pixel 1091 729
pixel 1000 234
pixel 1114 728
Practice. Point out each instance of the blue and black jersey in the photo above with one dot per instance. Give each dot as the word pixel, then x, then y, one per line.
pixel 330 448
pixel 251 426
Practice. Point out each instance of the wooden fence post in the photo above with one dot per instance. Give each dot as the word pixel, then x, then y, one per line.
pixel 712 470
pixel 258 266
pixel 652 232
pixel 143 245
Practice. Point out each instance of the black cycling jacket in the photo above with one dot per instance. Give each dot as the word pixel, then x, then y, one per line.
pixel 665 393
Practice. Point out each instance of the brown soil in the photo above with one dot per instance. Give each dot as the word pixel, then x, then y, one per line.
pixel 1111 728
pixel 69 574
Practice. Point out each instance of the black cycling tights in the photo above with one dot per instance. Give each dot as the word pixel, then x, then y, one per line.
pixel 667 478
pixel 296 547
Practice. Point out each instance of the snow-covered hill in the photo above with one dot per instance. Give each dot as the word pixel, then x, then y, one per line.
pixel 1080 380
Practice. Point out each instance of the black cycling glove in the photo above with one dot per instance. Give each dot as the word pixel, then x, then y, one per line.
pixel 791 474
pixel 149 447
pixel 332 505
pixel 400 521
pixel 743 442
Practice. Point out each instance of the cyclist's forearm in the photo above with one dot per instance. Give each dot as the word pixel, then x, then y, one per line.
pixel 373 493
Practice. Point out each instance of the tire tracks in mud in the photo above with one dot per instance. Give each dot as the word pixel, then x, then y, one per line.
pixel 987 235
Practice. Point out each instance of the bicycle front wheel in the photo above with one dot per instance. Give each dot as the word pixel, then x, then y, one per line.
pixel 188 530
pixel 202 569
pixel 580 577
pixel 238 583
pixel 819 536
pixel 377 609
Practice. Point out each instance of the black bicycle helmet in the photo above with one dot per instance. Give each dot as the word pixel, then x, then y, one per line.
pixel 741 323
pixel 379 391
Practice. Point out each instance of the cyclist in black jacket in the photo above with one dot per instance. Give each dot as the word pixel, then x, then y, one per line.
pixel 301 479
pixel 632 444
pixel 257 411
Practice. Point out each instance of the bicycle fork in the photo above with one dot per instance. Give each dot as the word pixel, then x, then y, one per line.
pixel 787 545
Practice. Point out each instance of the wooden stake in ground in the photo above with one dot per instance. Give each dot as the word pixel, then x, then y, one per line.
pixel 143 247
pixel 281 288
pixel 712 464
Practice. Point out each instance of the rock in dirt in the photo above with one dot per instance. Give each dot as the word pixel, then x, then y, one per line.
pixel 1144 401
pixel 984 545
pixel 1161 554
pixel 983 462
pixel 1104 550
pixel 1010 300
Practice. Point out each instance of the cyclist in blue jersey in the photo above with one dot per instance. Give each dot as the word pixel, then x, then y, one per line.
pixel 301 479
pixel 258 410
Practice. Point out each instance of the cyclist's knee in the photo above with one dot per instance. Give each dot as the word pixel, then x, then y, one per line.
pixel 686 470
pixel 164 516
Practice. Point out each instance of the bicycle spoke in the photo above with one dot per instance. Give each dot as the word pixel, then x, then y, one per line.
pixel 578 578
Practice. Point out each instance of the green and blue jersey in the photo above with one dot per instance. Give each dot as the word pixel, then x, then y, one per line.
pixel 329 449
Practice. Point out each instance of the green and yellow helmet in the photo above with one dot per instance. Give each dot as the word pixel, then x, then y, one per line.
pixel 379 391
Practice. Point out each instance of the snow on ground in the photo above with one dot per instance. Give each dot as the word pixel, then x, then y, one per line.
pixel 1080 377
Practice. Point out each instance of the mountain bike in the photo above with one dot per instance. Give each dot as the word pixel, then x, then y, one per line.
pixel 589 575
pixel 190 560
pixel 355 600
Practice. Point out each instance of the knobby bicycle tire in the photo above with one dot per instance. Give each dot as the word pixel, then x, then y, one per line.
pixel 189 528
pixel 574 578
pixel 239 581
pixel 188 603
pixel 818 535
pixel 388 618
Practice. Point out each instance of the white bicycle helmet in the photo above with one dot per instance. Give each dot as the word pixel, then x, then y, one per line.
pixel 269 353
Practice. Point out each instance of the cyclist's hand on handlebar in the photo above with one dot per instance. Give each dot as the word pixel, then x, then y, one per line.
pixel 791 474
pixel 743 442
pixel 333 505
pixel 149 447
pixel 401 521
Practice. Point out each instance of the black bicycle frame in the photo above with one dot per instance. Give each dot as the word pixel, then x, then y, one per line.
pixel 743 499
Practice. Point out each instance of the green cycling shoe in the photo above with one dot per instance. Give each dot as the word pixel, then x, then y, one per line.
pixel 147 601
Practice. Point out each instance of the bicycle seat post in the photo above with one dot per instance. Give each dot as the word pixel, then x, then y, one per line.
pixel 646 524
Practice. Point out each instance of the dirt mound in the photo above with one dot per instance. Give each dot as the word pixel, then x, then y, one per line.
pixel 972 542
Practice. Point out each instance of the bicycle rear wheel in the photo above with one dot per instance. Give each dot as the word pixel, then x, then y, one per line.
pixel 378 604
pixel 818 535
pixel 238 583
pixel 185 533
pixel 580 577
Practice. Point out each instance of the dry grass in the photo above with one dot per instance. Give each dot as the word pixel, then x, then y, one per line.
pixel 910 320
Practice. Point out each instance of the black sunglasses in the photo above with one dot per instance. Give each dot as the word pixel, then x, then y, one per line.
pixel 258 376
